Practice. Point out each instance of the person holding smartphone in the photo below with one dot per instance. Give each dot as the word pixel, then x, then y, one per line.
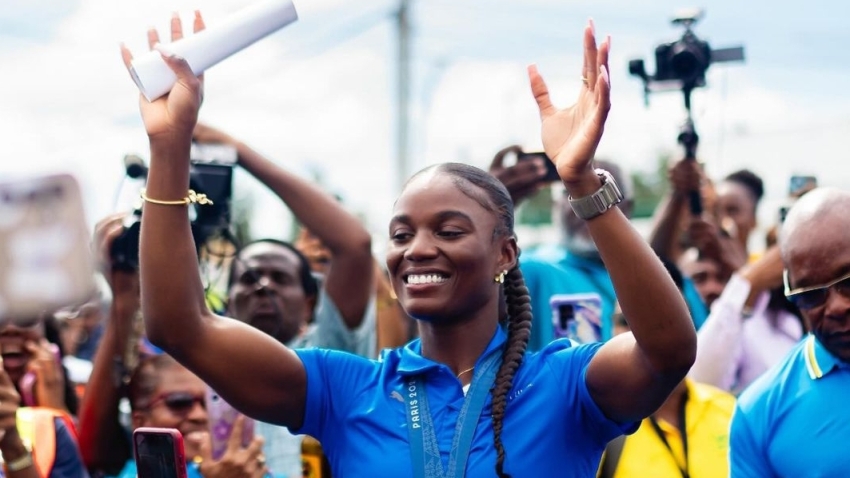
pixel 161 392
pixel 453 262
pixel 36 402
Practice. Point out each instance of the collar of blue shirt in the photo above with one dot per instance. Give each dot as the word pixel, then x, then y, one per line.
pixel 413 363
pixel 819 362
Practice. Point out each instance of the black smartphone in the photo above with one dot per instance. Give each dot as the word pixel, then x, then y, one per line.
pixel 159 453
pixel 551 170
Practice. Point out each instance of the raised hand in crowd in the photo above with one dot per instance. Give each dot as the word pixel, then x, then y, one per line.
pixel 45 367
pixel 237 461
pixel 631 375
pixel 103 440
pixel 522 179
pixel 718 243
pixel 11 446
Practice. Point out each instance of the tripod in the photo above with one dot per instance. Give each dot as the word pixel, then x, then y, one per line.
pixel 689 139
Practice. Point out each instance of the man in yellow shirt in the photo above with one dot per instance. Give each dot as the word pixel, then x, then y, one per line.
pixel 688 437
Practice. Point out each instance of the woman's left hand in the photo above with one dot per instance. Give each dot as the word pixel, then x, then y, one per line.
pixel 49 378
pixel 571 135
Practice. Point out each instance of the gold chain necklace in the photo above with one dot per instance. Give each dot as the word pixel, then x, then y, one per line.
pixel 465 371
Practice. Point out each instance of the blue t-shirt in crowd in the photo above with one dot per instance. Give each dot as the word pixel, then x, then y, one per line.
pixel 552 271
pixel 552 427
pixel 794 420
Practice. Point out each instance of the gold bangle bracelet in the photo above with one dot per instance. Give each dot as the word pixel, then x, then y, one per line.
pixel 192 198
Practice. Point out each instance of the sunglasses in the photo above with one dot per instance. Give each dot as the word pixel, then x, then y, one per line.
pixel 812 297
pixel 179 402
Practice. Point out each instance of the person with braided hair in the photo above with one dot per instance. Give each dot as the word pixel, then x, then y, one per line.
pixel 466 399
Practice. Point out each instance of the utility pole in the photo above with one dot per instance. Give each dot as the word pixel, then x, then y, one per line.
pixel 403 98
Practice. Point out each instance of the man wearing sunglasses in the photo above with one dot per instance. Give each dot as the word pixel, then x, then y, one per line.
pixel 794 420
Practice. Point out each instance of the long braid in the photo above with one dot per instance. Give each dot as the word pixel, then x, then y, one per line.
pixel 519 330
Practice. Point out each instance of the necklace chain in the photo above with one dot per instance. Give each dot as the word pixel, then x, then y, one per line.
pixel 466 371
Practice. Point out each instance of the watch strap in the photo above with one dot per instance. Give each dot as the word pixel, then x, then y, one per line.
pixel 606 197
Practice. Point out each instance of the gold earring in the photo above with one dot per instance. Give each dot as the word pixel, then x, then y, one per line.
pixel 500 277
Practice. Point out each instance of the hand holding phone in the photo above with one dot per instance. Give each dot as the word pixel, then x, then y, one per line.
pixel 522 179
pixel 44 383
pixel 577 317
pixel 224 422
pixel 159 453
pixel 550 172
pixel 236 459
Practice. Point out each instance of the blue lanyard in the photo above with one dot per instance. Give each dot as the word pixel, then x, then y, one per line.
pixel 424 450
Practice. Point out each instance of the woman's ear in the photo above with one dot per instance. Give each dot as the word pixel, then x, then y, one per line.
pixel 509 254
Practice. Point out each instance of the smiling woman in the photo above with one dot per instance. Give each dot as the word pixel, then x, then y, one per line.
pixel 465 398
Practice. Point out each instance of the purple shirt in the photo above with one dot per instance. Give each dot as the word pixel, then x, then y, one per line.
pixel 734 348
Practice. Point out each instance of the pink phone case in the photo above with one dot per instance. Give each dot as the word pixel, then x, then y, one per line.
pixel 222 417
pixel 159 453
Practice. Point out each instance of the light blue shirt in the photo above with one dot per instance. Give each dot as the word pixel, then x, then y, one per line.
pixel 283 449
pixel 795 419
pixel 552 426
pixel 552 271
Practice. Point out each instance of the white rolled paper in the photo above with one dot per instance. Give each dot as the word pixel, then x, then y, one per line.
pixel 212 45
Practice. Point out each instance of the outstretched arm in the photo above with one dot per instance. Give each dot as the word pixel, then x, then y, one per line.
pixel 632 374
pixel 342 233
pixel 103 441
pixel 176 316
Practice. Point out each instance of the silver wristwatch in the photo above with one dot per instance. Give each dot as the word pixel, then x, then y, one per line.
pixel 606 197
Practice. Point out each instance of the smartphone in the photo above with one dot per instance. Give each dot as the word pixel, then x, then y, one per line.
pixel 222 416
pixel 45 254
pixel 577 317
pixel 799 185
pixel 159 453
pixel 551 170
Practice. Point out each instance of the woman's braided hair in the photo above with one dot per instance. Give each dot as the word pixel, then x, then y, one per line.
pixel 495 198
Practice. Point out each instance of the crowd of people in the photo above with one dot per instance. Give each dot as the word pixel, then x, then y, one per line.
pixel 712 359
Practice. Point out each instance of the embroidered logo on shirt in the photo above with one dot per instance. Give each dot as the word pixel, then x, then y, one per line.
pixel 519 392
pixel 397 396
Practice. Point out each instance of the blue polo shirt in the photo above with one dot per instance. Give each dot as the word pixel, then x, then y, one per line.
pixel 552 427
pixel 795 419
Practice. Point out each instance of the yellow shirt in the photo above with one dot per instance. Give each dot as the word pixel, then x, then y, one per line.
pixel 708 413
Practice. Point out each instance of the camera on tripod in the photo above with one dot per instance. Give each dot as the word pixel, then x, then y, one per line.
pixel 682 64
pixel 210 173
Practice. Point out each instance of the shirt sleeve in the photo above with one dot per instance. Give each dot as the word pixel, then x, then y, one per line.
pixel 719 340
pixel 570 366
pixel 68 463
pixel 334 380
pixel 330 331
pixel 747 458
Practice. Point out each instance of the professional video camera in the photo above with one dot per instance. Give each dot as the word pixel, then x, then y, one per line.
pixel 681 65
pixel 210 173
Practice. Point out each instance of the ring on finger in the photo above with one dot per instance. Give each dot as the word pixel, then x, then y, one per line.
pixel 261 460
pixel 585 81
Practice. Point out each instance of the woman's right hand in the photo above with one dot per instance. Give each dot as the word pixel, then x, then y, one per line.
pixel 124 284
pixel 176 113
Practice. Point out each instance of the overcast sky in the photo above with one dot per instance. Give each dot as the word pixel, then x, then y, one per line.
pixel 319 96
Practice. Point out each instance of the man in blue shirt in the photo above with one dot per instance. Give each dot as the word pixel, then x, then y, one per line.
pixel 794 420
